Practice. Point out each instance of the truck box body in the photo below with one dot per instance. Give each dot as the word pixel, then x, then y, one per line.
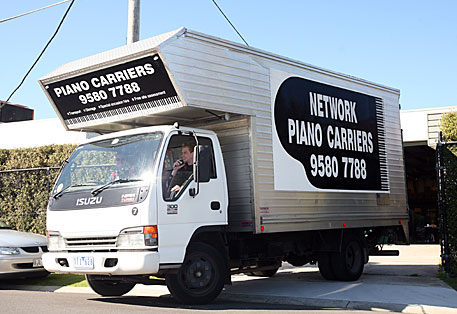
pixel 203 77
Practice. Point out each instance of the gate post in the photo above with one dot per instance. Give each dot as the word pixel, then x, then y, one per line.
pixel 440 168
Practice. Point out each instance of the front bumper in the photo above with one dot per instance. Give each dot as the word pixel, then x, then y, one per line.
pixel 127 263
pixel 12 266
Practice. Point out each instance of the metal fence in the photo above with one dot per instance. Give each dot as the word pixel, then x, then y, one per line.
pixel 50 173
pixel 446 167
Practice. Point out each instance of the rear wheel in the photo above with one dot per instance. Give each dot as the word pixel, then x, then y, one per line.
pixel 348 264
pixel 200 278
pixel 108 288
pixel 325 266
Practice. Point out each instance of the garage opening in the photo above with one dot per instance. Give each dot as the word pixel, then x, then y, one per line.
pixel 420 162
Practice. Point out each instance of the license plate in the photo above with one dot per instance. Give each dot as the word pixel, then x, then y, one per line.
pixel 37 262
pixel 83 262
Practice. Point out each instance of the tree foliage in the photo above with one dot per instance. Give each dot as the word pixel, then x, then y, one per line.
pixel 449 126
pixel 449 129
pixel 24 194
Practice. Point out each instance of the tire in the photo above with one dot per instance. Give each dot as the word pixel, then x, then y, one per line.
pixel 325 266
pixel 200 278
pixel 348 264
pixel 109 288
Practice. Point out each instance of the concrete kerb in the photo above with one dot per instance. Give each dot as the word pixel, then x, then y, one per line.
pixel 325 303
pixel 340 304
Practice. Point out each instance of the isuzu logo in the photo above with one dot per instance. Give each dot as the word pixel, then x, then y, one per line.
pixel 84 201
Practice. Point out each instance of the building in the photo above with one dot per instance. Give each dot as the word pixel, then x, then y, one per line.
pixel 13 112
pixel 420 134
pixel 35 133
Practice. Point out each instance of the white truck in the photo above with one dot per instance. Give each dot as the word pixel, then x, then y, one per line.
pixel 290 162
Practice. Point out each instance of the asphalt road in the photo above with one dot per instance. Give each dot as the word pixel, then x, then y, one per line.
pixel 27 302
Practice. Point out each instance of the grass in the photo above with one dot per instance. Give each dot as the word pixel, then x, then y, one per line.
pixel 54 279
pixel 451 281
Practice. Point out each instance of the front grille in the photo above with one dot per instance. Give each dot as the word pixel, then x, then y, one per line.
pixel 31 249
pixel 91 242
pixel 24 266
pixel 44 249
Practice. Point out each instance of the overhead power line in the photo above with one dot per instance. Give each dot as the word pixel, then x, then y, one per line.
pixel 42 52
pixel 214 1
pixel 33 11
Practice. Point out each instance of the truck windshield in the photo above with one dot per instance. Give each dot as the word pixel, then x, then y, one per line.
pixel 120 160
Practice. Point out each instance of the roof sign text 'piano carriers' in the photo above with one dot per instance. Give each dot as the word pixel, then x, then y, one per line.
pixel 129 90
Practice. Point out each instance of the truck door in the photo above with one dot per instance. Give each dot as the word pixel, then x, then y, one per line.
pixel 180 213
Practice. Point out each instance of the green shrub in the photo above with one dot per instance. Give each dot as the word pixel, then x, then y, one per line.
pixel 449 126
pixel 24 194
pixel 449 129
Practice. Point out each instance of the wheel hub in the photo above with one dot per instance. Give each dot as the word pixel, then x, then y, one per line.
pixel 198 274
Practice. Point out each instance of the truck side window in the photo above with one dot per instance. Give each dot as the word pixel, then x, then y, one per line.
pixel 178 164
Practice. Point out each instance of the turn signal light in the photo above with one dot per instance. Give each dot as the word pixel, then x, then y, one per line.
pixel 150 235
pixel 152 230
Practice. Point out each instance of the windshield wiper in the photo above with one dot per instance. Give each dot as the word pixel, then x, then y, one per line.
pixel 96 191
pixel 58 194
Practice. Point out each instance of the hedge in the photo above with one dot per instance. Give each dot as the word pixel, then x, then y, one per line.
pixel 449 129
pixel 24 194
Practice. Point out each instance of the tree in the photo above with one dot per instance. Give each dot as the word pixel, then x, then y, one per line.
pixel 449 126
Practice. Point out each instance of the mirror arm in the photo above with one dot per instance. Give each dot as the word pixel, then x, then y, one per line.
pixel 194 192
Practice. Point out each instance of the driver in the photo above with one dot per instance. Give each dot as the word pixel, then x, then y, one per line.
pixel 182 169
pixel 123 170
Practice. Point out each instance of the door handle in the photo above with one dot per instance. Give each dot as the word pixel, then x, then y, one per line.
pixel 215 205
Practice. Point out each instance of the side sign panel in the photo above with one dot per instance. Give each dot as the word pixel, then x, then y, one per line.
pixel 326 138
pixel 119 92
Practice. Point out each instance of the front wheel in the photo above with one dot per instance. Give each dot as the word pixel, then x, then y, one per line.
pixel 108 288
pixel 200 278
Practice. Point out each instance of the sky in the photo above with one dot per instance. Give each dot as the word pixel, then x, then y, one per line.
pixel 410 45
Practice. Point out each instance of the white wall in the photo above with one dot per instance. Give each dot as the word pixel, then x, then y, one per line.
pixel 422 125
pixel 38 133
pixel 414 125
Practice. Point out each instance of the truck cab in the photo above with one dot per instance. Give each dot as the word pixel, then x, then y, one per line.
pixel 112 211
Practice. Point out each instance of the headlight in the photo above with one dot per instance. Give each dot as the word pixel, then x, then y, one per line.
pixel 55 241
pixel 9 251
pixel 138 237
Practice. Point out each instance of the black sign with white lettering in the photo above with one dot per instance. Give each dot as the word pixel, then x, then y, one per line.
pixel 336 134
pixel 123 91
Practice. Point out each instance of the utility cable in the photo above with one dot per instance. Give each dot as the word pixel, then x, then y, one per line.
pixel 20 15
pixel 214 1
pixel 42 52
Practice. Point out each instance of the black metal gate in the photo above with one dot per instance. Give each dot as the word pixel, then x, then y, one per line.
pixel 446 168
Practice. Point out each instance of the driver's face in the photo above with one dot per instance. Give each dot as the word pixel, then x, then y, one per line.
pixel 187 155
pixel 121 160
